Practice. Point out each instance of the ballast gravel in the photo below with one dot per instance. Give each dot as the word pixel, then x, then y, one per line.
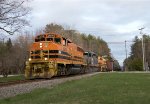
pixel 14 90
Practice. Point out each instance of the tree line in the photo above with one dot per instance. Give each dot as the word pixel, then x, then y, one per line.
pixel 13 55
pixel 135 61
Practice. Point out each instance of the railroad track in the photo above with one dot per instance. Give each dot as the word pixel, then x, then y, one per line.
pixel 5 84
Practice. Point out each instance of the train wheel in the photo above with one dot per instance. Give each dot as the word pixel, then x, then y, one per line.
pixel 61 70
pixel 68 71
pixel 83 69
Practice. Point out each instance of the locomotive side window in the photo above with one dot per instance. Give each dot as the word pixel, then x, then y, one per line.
pixel 32 52
pixel 45 51
pixel 90 55
pixel 37 52
pixel 58 40
pixel 64 42
pixel 42 39
pixel 36 40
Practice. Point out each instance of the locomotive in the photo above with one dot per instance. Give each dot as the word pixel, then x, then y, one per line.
pixel 54 55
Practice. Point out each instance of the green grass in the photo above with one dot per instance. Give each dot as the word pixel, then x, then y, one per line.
pixel 11 78
pixel 105 88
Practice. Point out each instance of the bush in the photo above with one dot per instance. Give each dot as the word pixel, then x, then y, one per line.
pixel 136 65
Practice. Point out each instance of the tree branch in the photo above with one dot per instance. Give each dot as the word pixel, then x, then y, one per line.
pixel 12 13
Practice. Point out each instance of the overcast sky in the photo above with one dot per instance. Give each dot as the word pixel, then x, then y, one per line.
pixel 112 20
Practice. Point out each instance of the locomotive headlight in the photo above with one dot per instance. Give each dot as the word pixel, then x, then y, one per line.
pixel 29 59
pixel 45 58
pixel 40 45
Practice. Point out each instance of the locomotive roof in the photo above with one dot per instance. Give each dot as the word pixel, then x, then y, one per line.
pixel 53 34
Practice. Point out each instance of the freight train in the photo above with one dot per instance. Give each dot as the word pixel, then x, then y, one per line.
pixel 54 55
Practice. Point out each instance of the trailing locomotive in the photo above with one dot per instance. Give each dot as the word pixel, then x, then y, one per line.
pixel 91 60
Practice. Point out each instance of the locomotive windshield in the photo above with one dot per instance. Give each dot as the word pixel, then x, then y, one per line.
pixel 87 54
pixel 58 40
pixel 40 38
pixel 49 37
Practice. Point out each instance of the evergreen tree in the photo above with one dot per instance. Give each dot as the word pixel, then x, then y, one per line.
pixel 9 44
pixel 135 61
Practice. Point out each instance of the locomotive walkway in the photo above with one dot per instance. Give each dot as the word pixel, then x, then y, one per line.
pixel 14 90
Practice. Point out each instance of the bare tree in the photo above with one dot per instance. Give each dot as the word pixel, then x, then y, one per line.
pixel 12 15
pixel 20 48
pixel 5 57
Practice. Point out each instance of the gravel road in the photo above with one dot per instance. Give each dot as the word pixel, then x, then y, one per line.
pixel 13 90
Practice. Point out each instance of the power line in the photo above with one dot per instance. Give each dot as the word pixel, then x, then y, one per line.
pixel 119 42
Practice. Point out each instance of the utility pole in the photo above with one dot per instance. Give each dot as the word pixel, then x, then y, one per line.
pixel 126 54
pixel 143 48
pixel 126 48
